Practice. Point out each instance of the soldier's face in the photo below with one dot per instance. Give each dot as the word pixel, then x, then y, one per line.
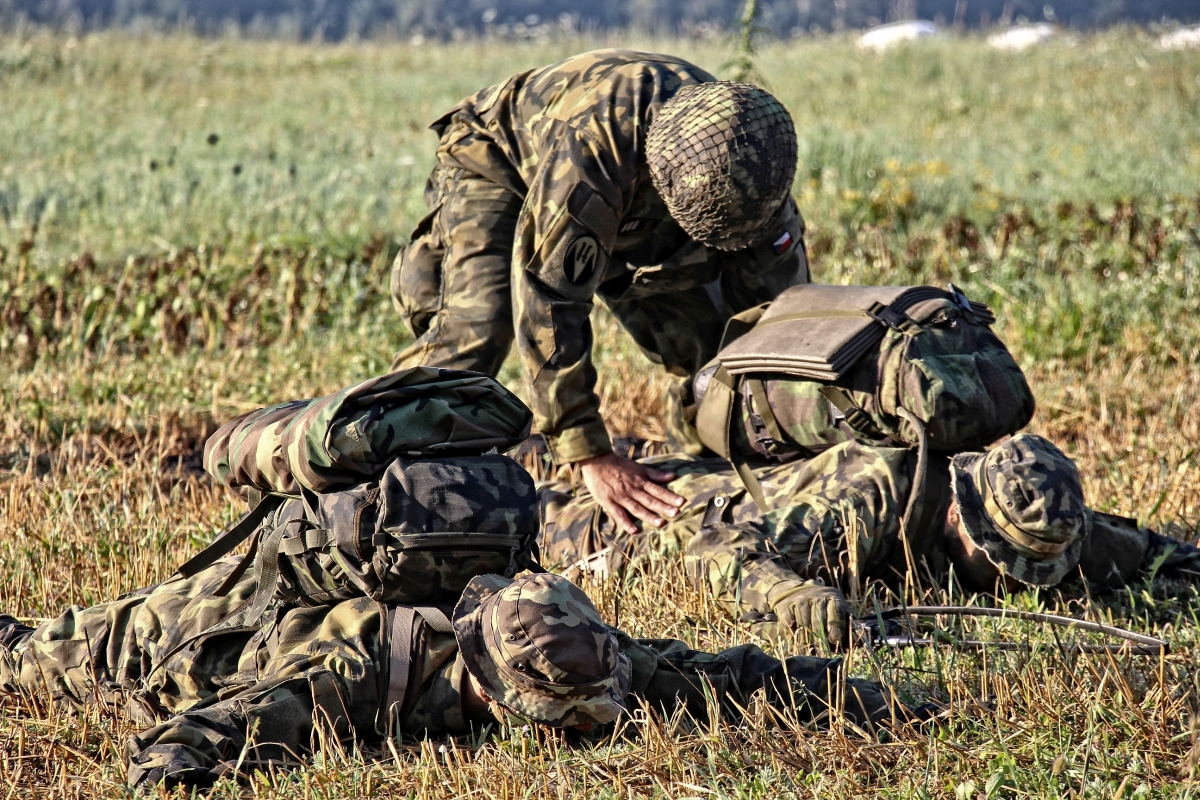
pixel 973 568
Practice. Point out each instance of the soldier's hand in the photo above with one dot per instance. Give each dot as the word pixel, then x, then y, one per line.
pixel 630 491
pixel 821 610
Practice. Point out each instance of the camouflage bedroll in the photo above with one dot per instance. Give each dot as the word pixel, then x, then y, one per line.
pixel 892 365
pixel 353 435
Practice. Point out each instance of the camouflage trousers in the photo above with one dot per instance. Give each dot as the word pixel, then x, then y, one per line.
pixel 204 696
pixel 88 653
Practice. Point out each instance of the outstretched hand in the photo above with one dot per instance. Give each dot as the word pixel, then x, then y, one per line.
pixel 820 610
pixel 629 491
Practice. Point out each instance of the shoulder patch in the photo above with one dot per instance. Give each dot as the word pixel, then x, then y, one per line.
pixel 589 209
pixel 579 263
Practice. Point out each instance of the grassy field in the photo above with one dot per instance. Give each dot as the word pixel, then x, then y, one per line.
pixel 193 228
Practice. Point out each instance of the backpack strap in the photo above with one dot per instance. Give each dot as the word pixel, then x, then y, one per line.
pixel 916 492
pixel 768 431
pixel 305 540
pixel 402 627
pixel 435 618
pixel 232 537
pixel 855 416
pixel 714 421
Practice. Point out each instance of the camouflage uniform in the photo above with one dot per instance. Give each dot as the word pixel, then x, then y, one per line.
pixel 542 201
pixel 536 644
pixel 738 553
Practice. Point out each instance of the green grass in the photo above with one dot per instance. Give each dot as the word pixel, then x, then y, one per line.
pixel 148 292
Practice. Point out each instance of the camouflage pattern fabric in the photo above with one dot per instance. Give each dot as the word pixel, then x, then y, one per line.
pixel 749 561
pixel 338 440
pixel 942 365
pixel 538 647
pixel 418 534
pixel 201 700
pixel 1022 504
pixel 540 204
pixel 255 696
pixel 723 156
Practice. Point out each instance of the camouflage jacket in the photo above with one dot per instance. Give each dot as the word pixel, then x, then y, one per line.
pixel 568 139
pixel 254 697
pixel 738 552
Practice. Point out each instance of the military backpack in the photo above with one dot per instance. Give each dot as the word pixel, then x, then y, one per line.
pixel 893 365
pixel 390 489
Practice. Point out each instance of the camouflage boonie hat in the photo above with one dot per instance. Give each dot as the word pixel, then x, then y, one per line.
pixel 1022 504
pixel 537 646
pixel 723 156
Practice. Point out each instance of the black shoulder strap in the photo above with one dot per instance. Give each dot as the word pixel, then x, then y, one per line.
pixel 231 538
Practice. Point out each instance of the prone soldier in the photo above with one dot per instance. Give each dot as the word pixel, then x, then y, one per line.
pixel 848 516
pixel 534 647
pixel 633 178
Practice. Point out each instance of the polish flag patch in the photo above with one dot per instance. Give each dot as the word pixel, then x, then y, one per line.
pixel 782 244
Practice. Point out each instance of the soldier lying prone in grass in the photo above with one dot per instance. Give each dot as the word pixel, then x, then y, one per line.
pixel 1015 513
pixel 534 647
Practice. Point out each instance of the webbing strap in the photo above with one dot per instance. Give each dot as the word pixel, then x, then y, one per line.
pixel 400 636
pixel 855 416
pixel 236 575
pixel 751 482
pixel 267 571
pixel 435 618
pixel 779 440
pixel 310 539
pixel 762 407
pixel 231 538
pixel 716 409
pixel 724 383
pixel 915 492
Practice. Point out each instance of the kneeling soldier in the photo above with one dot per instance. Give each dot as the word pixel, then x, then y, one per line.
pixel 1014 513
pixel 634 179
pixel 534 647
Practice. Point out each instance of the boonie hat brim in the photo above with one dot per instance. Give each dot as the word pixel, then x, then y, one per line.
pixel 969 484
pixel 546 702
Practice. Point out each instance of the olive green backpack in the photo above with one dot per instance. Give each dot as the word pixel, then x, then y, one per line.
pixel 893 365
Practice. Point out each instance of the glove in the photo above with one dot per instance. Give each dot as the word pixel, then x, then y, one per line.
pixel 811 606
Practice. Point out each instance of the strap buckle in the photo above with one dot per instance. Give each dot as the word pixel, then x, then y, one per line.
pixel 891 318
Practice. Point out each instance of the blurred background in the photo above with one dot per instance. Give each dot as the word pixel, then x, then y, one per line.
pixel 448 19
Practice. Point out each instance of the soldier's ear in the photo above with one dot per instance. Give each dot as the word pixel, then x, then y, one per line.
pixel 953 518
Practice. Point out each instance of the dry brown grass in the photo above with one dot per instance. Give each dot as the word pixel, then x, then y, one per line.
pixel 100 514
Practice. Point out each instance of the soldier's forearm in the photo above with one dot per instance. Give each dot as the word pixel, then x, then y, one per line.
pixel 579 443
pixel 1165 554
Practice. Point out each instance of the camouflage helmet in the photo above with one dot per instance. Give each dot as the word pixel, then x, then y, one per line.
pixel 723 155
pixel 1022 504
pixel 537 647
